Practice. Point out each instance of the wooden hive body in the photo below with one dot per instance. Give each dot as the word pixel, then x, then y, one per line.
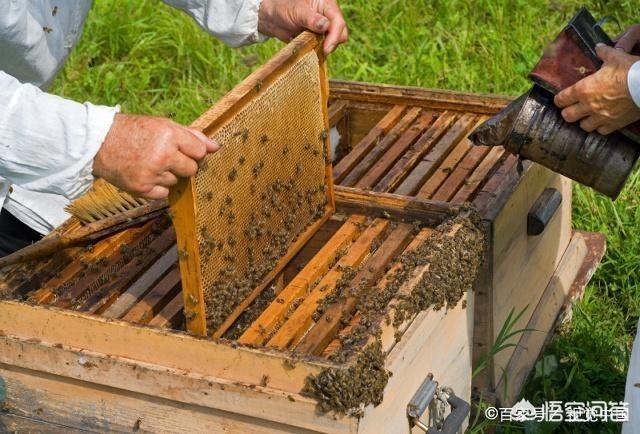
pixel 104 326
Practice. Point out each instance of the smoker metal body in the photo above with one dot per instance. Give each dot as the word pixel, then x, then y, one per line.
pixel 533 127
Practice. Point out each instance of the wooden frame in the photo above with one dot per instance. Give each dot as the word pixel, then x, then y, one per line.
pixel 182 197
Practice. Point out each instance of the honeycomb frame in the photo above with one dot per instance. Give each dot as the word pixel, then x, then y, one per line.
pixel 221 213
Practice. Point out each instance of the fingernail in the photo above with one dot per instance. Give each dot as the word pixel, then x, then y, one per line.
pixel 322 24
pixel 600 44
pixel 330 48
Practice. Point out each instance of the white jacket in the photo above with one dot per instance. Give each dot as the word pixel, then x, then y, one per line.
pixel 48 143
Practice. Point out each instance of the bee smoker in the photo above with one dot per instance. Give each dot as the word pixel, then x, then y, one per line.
pixel 533 128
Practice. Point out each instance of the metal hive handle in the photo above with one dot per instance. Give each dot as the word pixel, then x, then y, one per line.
pixel 424 397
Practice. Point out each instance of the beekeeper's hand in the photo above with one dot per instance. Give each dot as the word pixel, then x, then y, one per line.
pixel 285 19
pixel 629 39
pixel 602 101
pixel 145 155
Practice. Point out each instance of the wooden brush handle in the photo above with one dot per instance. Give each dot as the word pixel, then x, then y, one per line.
pixel 88 233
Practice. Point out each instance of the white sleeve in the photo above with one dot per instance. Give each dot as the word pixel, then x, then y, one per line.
pixel 235 22
pixel 633 82
pixel 48 143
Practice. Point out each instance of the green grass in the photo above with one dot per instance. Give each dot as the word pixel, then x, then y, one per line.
pixel 155 60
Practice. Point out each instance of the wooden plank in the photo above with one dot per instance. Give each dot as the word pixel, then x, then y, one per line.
pixel 46 294
pixel 436 155
pixel 82 406
pixel 436 343
pixel 410 209
pixel 156 299
pixel 381 147
pixel 388 328
pixel 43 271
pixel 459 175
pixel 312 247
pixel 274 314
pixel 363 147
pixel 418 150
pixel 498 187
pixel 542 321
pixel 295 247
pixel 152 345
pixel 14 424
pixel 515 254
pixel 414 96
pixel 298 323
pixel 483 339
pixel 170 314
pixel 336 112
pixel 441 173
pixel 140 287
pixel 447 167
pixel 326 328
pixel 478 176
pixel 110 391
pixel 114 261
pixel 396 150
pixel 111 290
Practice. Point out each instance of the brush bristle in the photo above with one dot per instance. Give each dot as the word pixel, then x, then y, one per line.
pixel 102 201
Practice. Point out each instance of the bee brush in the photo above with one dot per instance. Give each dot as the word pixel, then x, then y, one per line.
pixel 103 210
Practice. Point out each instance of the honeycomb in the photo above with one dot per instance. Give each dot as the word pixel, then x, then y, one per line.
pixel 263 188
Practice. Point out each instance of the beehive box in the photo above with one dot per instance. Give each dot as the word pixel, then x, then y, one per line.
pixel 93 338
pixel 413 142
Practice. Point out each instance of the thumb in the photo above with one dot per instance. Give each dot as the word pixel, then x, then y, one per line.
pixel 605 53
pixel 212 145
pixel 312 20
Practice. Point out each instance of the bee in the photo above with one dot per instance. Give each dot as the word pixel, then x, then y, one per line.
pixel 264 380
pixel 54 12
pixel 241 160
pixel 233 174
pixel 264 139
pixel 209 196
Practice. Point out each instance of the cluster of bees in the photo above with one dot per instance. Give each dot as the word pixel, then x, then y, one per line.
pixel 252 246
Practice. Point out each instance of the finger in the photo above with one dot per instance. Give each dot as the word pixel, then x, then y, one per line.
pixel 183 166
pixel 212 145
pixel 575 112
pixel 567 97
pixel 605 52
pixel 282 34
pixel 591 123
pixel 628 40
pixel 166 179
pixel 157 192
pixel 336 28
pixel 312 20
pixel 344 36
pixel 190 144
pixel 605 130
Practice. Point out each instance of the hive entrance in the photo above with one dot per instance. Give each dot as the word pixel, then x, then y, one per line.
pixel 254 203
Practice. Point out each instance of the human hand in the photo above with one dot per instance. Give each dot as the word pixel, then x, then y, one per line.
pixel 145 155
pixel 629 39
pixel 602 100
pixel 285 19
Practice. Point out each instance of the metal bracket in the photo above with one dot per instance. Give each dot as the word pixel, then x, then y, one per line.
pixel 424 397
